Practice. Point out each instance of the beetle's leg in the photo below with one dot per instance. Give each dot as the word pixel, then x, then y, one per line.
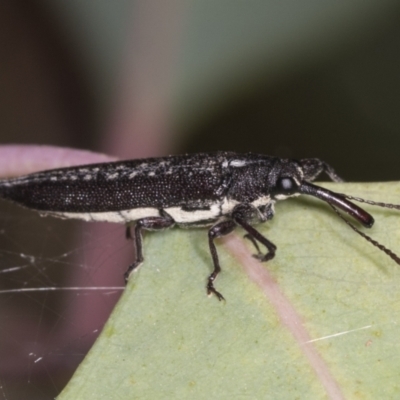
pixel 241 215
pixel 331 172
pixel 220 229
pixel 255 244
pixel 128 232
pixel 266 213
pixel 314 167
pixel 150 223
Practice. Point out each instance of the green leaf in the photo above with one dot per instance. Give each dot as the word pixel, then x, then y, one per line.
pixel 319 321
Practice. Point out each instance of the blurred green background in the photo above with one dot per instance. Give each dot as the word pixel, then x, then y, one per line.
pixel 297 79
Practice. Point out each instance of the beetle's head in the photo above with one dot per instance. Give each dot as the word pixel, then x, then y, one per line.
pixel 292 178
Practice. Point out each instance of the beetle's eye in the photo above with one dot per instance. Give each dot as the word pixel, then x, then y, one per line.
pixel 286 185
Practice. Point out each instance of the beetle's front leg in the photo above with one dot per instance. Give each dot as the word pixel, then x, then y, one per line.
pixel 151 223
pixel 220 229
pixel 242 214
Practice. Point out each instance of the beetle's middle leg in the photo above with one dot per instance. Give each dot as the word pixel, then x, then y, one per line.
pixel 220 229
pixel 152 224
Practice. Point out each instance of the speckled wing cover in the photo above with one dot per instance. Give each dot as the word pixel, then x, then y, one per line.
pixel 189 181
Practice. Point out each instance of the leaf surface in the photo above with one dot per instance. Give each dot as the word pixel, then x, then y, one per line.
pixel 325 326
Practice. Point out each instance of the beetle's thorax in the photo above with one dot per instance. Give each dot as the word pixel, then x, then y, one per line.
pixel 256 182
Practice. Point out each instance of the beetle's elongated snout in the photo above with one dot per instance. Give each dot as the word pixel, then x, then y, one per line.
pixel 337 200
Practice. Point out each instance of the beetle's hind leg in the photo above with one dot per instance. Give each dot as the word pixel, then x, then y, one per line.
pixel 152 224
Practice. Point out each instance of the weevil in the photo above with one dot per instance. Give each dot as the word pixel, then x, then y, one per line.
pixel 221 190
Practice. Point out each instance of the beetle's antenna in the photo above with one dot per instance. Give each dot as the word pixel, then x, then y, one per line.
pixel 371 202
pixel 340 200
pixel 381 247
